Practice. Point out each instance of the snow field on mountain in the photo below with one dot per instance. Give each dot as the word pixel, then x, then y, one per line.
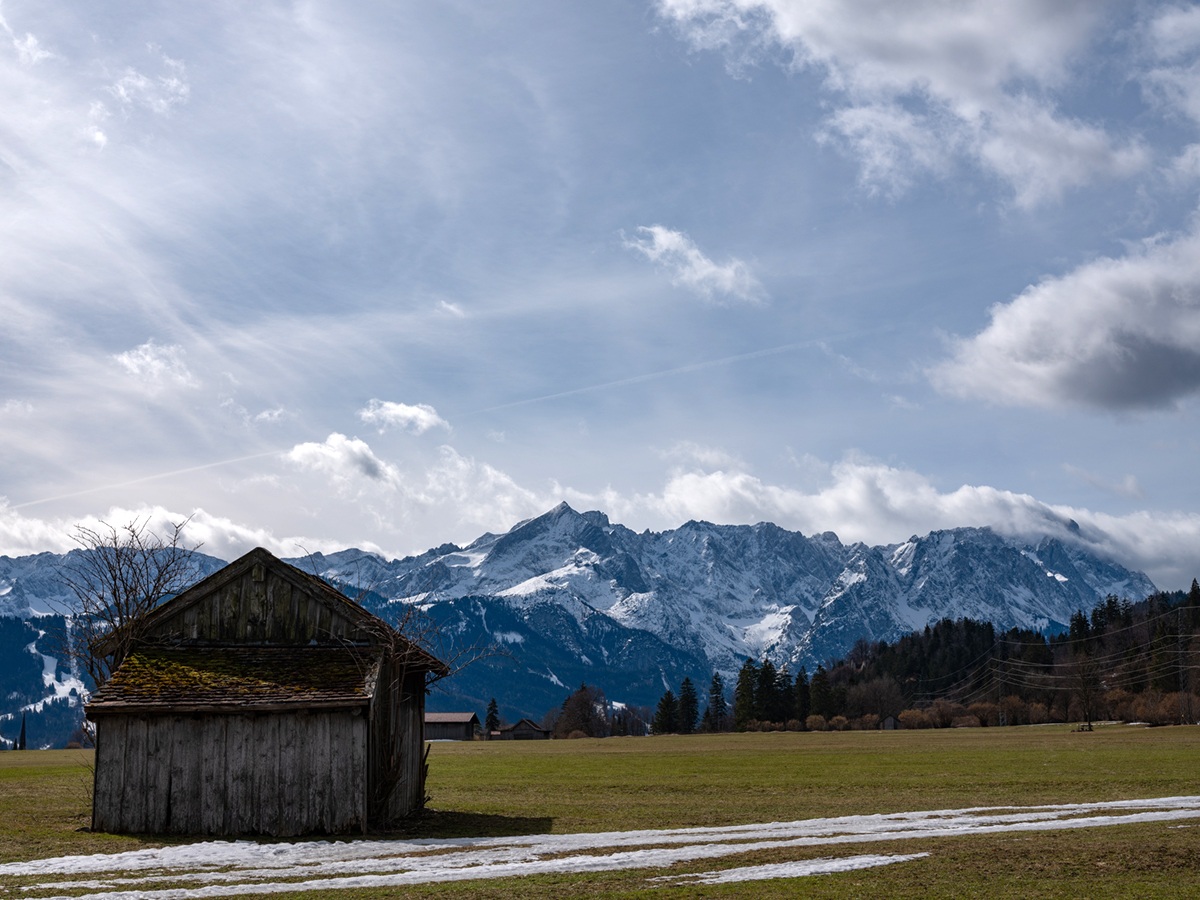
pixel 229 868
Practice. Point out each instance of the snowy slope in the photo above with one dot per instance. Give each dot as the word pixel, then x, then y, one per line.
pixel 725 592
pixel 572 597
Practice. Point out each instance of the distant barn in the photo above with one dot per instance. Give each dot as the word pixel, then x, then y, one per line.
pixel 453 726
pixel 524 730
pixel 261 701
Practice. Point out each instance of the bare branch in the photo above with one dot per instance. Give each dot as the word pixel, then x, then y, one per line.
pixel 118 574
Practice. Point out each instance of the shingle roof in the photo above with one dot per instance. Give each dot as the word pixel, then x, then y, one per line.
pixel 234 679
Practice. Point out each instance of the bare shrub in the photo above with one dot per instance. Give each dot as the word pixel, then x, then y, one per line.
pixel 1038 715
pixel 1119 704
pixel 943 713
pixel 794 725
pixel 986 713
pixel 576 735
pixel 816 723
pixel 1016 710
pixel 869 722
pixel 965 722
pixel 839 723
pixel 914 718
pixel 1147 708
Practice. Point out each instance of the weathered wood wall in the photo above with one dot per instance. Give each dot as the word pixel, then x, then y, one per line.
pixel 259 607
pixel 398 733
pixel 281 774
pixel 449 731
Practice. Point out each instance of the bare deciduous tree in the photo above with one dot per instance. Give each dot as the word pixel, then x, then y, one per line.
pixel 120 573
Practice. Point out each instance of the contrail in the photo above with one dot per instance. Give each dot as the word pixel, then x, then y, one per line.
pixel 650 376
pixel 105 487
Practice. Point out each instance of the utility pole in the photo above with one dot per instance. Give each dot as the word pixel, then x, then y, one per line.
pixel 1179 647
pixel 1000 692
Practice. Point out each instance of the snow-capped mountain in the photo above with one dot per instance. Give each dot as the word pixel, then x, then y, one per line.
pixel 570 597
pixel 725 592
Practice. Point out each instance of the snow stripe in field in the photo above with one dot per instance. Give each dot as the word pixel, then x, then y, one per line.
pixel 253 868
pixel 789 869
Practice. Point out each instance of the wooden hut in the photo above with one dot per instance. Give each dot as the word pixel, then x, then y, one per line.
pixel 261 701
pixel 524 730
pixel 451 726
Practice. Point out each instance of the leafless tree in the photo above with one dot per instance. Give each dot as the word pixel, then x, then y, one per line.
pixel 1087 684
pixel 119 574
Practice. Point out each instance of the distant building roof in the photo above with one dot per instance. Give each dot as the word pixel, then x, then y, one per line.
pixel 525 723
pixel 451 718
pixel 225 679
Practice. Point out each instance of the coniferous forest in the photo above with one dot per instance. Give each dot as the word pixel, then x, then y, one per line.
pixel 1133 662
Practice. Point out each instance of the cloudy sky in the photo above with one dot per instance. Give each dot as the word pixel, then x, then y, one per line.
pixel 389 275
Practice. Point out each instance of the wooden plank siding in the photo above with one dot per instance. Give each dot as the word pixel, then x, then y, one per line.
pixel 261 701
pixel 245 611
pixel 281 774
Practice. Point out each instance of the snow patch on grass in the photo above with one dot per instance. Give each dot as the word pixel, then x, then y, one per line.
pixel 253 868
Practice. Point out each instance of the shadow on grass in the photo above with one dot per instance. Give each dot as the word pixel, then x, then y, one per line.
pixel 444 823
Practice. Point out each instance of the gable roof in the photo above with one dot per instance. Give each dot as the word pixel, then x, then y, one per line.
pixel 339 620
pixel 238 679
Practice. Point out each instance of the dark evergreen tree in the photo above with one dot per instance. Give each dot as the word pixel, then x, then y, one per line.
pixel 803 704
pixel 821 696
pixel 666 716
pixel 689 707
pixel 585 710
pixel 492 721
pixel 764 692
pixel 785 699
pixel 21 740
pixel 717 710
pixel 743 695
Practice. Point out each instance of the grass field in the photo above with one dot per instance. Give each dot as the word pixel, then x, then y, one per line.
pixel 622 784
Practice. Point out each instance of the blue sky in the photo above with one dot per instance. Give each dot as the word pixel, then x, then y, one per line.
pixel 390 275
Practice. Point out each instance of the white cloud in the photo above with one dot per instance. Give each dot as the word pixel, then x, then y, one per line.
pixel 700 454
pixel 866 500
pixel 158 94
pixel 1112 334
pixel 919 83
pixel 418 419
pixel 692 269
pixel 344 460
pixel 458 497
pixel 218 536
pixel 30 51
pixel 452 308
pixel 156 364
pixel 1172 39
pixel 16 408
pixel 267 416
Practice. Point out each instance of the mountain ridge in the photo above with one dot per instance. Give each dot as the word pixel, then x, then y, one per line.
pixel 570 596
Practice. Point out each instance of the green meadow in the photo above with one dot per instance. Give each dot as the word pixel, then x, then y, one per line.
pixel 620 784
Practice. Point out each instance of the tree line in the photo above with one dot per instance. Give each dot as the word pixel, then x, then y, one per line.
pixel 1122 660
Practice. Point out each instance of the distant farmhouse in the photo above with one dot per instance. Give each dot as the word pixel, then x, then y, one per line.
pixel 261 701
pixel 451 726
pixel 524 730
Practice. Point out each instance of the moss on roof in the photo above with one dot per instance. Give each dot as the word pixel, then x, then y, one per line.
pixel 239 677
